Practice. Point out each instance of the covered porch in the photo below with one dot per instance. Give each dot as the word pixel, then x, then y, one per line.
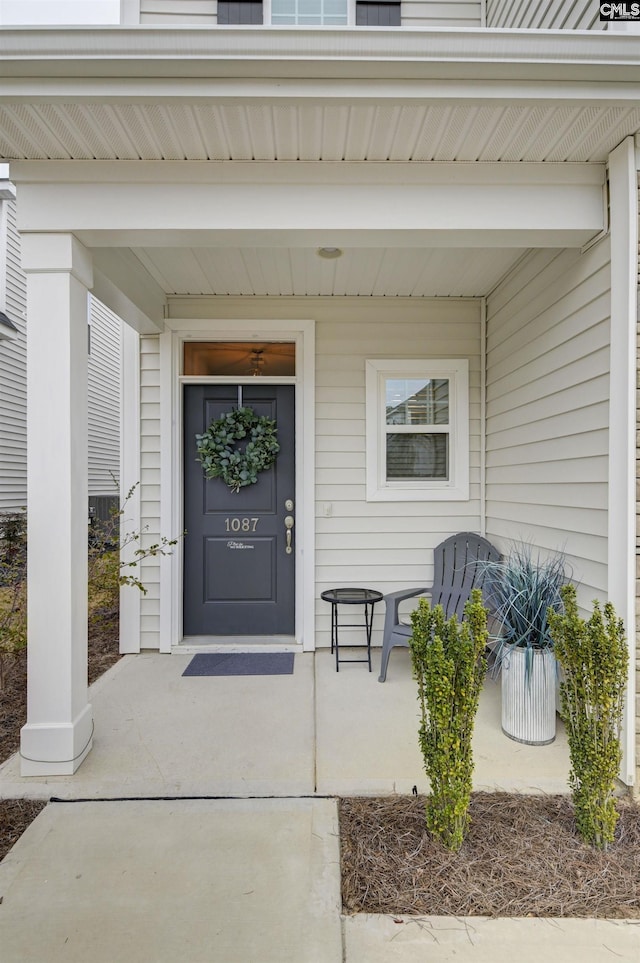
pixel 480 216
pixel 315 732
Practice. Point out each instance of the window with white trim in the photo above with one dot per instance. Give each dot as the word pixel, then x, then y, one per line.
pixel 417 430
pixel 308 13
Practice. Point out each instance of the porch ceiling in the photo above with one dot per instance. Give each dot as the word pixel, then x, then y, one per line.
pixel 334 96
pixel 285 271
pixel 352 131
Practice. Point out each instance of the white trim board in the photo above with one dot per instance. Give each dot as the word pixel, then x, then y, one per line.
pixel 171 473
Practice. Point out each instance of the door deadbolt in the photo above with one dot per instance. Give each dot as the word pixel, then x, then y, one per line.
pixel 288 505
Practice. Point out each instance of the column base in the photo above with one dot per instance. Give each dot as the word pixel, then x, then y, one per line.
pixel 56 749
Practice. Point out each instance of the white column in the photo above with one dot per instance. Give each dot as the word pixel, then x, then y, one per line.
pixel 59 728
pixel 623 192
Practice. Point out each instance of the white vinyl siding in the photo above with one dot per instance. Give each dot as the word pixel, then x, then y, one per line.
pixel 103 386
pixel 545 14
pixel 427 13
pixel 103 401
pixel 199 13
pixel 547 409
pixel 414 13
pixel 384 545
pixel 149 573
pixel 13 372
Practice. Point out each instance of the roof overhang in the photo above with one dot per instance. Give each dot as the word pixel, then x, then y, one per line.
pixel 172 136
pixel 319 52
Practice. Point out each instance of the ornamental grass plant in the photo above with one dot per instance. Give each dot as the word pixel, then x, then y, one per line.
pixel 521 589
pixel 594 658
pixel 449 667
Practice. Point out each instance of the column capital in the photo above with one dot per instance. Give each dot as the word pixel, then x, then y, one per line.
pixel 57 254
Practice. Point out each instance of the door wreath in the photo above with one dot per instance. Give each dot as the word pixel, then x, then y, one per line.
pixel 220 455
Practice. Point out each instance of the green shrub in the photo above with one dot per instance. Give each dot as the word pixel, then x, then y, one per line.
pixel 594 658
pixel 449 667
pixel 107 571
pixel 13 587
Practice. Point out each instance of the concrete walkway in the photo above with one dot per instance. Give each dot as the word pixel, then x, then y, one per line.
pixel 120 879
pixel 188 881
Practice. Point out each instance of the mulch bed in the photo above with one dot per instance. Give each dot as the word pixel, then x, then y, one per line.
pixel 16 814
pixel 522 857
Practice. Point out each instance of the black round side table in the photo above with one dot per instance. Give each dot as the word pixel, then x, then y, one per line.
pixel 351 596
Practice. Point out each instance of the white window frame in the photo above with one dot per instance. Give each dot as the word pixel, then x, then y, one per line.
pixel 456 487
pixel 266 16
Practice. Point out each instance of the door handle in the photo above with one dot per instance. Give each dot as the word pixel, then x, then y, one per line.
pixel 288 524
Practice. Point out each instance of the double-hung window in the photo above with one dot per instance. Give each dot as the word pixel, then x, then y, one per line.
pixel 308 13
pixel 417 430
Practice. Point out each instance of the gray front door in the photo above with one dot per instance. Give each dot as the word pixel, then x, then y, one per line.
pixel 239 578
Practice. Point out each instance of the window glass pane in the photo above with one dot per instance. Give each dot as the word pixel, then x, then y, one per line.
pixel 413 401
pixel 420 456
pixel 239 358
pixel 283 11
pixel 306 12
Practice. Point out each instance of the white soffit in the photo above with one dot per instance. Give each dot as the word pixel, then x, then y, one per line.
pixel 281 272
pixel 313 132
pixel 331 94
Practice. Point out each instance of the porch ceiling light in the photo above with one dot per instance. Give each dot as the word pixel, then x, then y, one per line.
pixel 329 252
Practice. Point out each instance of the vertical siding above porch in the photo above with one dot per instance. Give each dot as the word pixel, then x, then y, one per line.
pixel 13 374
pixel 548 406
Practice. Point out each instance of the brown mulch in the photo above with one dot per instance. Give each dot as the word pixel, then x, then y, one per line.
pixel 16 814
pixel 522 857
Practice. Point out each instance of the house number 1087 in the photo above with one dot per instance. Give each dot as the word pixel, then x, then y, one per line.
pixel 240 524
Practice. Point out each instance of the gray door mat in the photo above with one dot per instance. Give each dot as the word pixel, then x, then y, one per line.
pixel 241 663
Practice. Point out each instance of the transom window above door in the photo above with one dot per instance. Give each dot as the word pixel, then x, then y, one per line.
pixel 240 359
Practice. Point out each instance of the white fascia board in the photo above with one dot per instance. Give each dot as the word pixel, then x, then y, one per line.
pixel 553 57
pixel 286 88
pixel 523 173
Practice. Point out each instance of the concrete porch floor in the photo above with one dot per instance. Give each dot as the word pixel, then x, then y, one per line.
pixel 319 732
pixel 251 880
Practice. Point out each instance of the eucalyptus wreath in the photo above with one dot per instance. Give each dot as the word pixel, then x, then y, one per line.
pixel 220 455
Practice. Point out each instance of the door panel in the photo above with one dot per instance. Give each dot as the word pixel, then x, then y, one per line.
pixel 238 577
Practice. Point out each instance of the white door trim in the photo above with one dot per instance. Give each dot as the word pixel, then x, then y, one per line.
pixel 171 460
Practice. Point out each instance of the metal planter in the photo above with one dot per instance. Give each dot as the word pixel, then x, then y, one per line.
pixel 529 682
